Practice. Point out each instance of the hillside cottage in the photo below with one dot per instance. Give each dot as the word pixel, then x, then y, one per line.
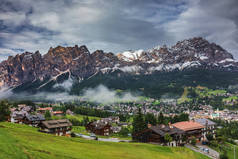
pixel 33 120
pixel 99 128
pixel 18 114
pixel 60 127
pixel 191 129
pixel 57 113
pixel 210 127
pixel 156 134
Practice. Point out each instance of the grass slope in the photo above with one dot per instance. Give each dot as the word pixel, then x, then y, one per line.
pixel 21 141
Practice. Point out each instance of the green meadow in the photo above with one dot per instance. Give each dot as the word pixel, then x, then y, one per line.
pixel 25 142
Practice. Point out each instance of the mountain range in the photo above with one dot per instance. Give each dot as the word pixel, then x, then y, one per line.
pixel 153 72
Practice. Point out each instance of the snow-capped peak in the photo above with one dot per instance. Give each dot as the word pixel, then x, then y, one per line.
pixel 131 55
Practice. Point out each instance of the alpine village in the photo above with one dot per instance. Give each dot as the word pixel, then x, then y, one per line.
pixel 119 79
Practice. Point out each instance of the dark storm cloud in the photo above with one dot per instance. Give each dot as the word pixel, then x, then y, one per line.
pixel 115 25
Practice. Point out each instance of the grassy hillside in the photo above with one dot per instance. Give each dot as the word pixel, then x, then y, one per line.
pixel 21 141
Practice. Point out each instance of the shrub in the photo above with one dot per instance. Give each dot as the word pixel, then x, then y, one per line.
pixel 193 141
pixel 223 155
pixel 73 134
pixel 209 137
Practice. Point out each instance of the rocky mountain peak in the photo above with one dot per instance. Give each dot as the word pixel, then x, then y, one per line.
pixel 191 53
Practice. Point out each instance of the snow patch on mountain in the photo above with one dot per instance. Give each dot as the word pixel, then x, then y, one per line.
pixel 133 68
pixel 131 55
pixel 227 60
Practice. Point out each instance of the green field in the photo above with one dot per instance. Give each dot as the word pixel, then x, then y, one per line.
pixel 22 142
pixel 78 117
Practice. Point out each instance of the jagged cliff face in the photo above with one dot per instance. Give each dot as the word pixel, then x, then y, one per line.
pixel 78 62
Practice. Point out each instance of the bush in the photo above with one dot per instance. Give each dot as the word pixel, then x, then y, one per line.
pixel 73 134
pixel 75 122
pixel 193 141
pixel 213 143
pixel 223 156
pixel 124 132
pixel 209 137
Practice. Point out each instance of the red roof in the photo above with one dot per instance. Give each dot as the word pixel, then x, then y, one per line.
pixel 188 125
pixel 47 108
pixel 58 112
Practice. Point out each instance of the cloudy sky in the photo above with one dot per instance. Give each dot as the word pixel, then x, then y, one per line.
pixel 114 25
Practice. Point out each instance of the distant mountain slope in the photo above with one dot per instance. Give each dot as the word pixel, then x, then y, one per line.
pixel 189 62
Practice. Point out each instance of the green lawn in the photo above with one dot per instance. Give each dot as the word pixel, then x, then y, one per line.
pixel 21 141
pixel 77 116
pixel 80 117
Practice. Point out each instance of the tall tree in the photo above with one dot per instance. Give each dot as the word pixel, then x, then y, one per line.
pixel 47 115
pixel 138 122
pixel 183 117
pixel 4 110
pixel 150 119
pixel 161 119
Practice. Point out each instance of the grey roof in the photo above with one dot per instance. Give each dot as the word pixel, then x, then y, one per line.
pixel 165 129
pixel 204 121
pixel 37 117
pixel 19 114
pixel 99 124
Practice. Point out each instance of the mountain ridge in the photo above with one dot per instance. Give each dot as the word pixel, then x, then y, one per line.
pixel 194 53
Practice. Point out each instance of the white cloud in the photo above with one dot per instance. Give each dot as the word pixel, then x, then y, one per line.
pixel 116 25
pixel 67 85
pixel 198 20
pixel 5 92
pixel 102 94
pixel 13 18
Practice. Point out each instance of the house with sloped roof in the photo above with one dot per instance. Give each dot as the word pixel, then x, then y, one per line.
pixel 33 119
pixel 60 127
pixel 57 113
pixel 99 128
pixel 191 129
pixel 156 134
pixel 43 110
pixel 210 126
pixel 18 114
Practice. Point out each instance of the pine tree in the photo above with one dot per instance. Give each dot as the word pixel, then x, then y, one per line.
pixel 47 115
pixel 161 119
pixel 150 119
pixel 4 110
pixel 138 122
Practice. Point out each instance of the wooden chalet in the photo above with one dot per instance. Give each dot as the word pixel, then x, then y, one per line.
pixel 60 127
pixel 191 129
pixel 18 116
pixel 33 120
pixel 210 127
pixel 99 128
pixel 156 134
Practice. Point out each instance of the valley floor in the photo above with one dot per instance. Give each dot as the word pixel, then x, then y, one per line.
pixel 22 142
